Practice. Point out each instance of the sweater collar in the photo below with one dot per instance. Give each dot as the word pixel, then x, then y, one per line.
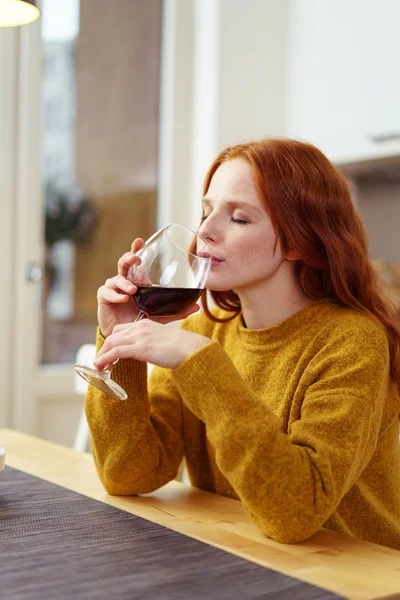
pixel 311 314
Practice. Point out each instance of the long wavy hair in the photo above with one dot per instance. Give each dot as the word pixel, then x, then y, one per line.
pixel 310 206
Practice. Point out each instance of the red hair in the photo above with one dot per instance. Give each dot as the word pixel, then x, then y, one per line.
pixel 310 205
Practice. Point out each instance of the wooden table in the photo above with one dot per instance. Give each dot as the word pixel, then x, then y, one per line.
pixel 348 566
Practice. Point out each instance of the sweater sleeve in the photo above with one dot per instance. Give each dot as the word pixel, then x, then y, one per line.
pixel 137 443
pixel 291 482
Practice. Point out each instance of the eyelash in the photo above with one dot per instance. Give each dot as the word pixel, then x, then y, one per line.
pixel 240 221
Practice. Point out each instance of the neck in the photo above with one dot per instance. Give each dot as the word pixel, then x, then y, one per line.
pixel 269 302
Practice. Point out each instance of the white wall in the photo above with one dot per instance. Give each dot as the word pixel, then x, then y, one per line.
pixel 175 112
pixel 240 77
pixel 225 81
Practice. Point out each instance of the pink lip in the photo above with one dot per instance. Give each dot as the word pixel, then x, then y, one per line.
pixel 214 259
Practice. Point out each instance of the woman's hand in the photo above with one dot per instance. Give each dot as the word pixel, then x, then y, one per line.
pixel 114 299
pixel 149 341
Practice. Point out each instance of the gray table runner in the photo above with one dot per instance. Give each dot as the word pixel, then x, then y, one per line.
pixel 55 543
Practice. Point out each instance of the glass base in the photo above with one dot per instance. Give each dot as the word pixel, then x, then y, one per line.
pixel 101 381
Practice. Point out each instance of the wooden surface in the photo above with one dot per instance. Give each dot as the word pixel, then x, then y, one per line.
pixel 348 566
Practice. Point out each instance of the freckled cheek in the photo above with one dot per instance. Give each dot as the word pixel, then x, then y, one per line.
pixel 253 254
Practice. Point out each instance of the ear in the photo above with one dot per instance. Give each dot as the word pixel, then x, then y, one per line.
pixel 292 255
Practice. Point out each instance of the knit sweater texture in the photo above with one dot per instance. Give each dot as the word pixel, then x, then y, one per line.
pixel 299 421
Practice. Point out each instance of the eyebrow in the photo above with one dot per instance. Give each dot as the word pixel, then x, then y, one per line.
pixel 233 204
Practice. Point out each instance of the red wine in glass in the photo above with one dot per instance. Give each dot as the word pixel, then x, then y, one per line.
pixel 157 301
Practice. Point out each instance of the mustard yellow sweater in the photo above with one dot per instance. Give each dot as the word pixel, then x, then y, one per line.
pixel 299 421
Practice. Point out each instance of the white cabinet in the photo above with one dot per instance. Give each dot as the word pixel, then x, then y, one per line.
pixel 381 43
pixel 344 77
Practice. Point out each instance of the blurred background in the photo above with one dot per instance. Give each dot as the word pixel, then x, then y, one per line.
pixel 111 112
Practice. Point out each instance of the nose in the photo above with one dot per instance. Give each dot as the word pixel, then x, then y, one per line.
pixel 208 230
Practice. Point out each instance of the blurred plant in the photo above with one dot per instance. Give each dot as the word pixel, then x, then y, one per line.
pixel 69 214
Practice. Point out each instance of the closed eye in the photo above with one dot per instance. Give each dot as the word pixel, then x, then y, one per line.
pixel 232 219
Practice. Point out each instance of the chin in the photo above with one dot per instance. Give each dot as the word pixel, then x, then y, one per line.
pixel 218 286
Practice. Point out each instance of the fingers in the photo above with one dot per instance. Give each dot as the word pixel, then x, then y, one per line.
pixel 112 355
pixel 126 261
pixel 136 245
pixel 121 328
pixel 129 259
pixel 118 345
pixel 120 283
pixel 105 295
pixel 116 289
pixel 120 333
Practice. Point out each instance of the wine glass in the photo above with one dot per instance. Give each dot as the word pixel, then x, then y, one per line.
pixel 170 276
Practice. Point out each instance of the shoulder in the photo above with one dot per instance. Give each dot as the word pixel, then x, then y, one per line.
pixel 350 337
pixel 350 356
pixel 202 324
pixel 353 325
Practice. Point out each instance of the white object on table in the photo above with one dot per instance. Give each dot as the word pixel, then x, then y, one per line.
pixel 85 356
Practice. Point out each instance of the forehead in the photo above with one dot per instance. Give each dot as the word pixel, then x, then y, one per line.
pixel 234 180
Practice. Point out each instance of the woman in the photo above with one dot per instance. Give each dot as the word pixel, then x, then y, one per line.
pixel 286 395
